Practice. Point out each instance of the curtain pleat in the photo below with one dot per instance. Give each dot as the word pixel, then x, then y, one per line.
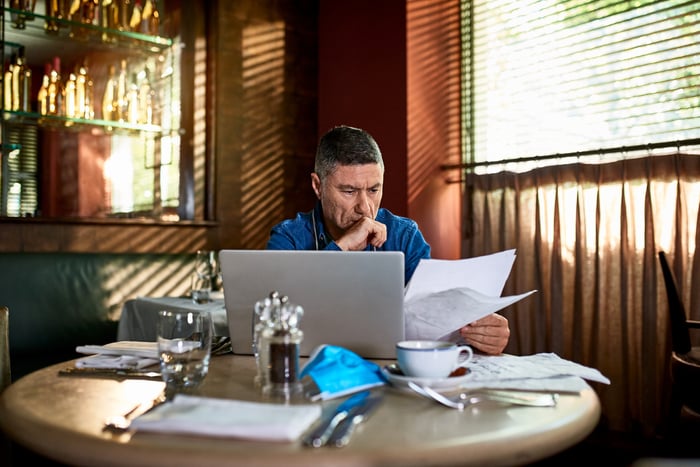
pixel 587 238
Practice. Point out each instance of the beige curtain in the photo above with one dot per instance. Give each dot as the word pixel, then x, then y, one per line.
pixel 587 237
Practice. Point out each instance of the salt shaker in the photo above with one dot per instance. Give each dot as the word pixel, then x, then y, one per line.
pixel 278 347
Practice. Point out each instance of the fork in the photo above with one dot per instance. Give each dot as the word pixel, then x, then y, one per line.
pixel 464 400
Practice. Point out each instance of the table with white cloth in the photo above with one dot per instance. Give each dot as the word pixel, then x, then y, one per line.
pixel 140 315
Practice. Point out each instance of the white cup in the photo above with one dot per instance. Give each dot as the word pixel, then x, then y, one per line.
pixel 184 348
pixel 431 359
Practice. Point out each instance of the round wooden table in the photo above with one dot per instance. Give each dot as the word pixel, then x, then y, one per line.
pixel 62 417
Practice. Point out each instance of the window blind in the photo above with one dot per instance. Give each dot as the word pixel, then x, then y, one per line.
pixel 545 77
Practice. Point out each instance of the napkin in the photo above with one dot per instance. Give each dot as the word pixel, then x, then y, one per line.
pixel 229 418
pixel 121 362
pixel 133 348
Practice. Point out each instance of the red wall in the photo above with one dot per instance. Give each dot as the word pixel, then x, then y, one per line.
pixel 391 67
pixel 362 81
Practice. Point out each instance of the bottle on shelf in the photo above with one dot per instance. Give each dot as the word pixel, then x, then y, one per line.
pixel 24 83
pixel 42 98
pixel 71 106
pixel 55 91
pixel 132 99
pixel 17 83
pixel 83 93
pixel 124 11
pixel 145 98
pixel 7 86
pixel 56 9
pixel 135 17
pixel 109 98
pixel 18 18
pixel 122 89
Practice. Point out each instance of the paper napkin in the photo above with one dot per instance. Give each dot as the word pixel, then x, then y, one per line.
pixel 133 348
pixel 121 362
pixel 229 418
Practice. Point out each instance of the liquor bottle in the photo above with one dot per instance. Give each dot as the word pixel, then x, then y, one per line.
pixel 154 22
pixel 18 18
pixel 124 10
pixel 55 9
pixel 16 86
pixel 136 16
pixel 7 86
pixel 146 97
pixel 71 107
pixel 42 98
pixel 109 98
pixel 122 89
pixel 56 92
pixel 146 17
pixel 83 93
pixel 132 99
pixel 24 73
pixel 88 11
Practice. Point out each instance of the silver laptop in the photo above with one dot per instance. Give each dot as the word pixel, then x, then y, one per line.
pixel 350 299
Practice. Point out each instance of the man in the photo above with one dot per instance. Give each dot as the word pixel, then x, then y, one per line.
pixel 348 179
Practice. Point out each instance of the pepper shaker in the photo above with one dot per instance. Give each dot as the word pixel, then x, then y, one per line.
pixel 279 341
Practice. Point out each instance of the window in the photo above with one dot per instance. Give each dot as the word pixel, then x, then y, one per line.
pixel 548 77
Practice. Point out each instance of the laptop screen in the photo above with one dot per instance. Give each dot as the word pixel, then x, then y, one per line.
pixel 350 299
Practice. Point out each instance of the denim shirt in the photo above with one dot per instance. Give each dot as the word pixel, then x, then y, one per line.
pixel 302 233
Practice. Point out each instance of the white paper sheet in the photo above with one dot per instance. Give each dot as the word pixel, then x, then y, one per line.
pixel 486 274
pixel 538 372
pixel 229 418
pixel 445 295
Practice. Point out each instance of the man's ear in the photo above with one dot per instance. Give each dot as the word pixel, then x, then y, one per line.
pixel 316 184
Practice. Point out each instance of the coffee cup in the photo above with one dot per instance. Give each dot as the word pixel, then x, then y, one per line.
pixel 431 359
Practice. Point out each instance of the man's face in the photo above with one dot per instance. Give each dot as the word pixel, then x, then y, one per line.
pixel 350 193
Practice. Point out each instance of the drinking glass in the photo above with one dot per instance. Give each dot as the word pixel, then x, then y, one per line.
pixel 201 288
pixel 184 348
pixel 203 276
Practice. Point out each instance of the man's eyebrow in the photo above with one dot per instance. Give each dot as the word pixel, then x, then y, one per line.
pixel 346 186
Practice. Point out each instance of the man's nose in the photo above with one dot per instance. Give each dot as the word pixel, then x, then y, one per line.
pixel 364 205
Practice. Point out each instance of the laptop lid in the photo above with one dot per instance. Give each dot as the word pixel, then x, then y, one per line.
pixel 350 299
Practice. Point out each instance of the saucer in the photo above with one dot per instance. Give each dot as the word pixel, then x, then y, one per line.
pixel 393 374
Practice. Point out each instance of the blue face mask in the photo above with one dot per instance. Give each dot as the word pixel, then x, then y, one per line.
pixel 336 371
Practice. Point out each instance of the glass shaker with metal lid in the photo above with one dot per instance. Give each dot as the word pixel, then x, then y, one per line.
pixel 278 348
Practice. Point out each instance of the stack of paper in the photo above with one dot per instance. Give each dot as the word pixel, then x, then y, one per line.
pixel 445 295
pixel 118 355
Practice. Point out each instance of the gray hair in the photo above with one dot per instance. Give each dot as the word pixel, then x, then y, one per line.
pixel 345 145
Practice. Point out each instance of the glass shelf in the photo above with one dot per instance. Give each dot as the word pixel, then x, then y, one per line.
pixel 86 32
pixel 82 123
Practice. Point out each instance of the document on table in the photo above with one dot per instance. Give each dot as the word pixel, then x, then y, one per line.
pixel 538 372
pixel 444 295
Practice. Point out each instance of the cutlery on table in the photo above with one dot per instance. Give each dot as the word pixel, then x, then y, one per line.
pixel 322 432
pixel 358 414
pixel 111 373
pixel 464 400
pixel 120 423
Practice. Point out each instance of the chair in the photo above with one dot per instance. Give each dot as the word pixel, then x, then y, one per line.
pixel 4 348
pixel 685 359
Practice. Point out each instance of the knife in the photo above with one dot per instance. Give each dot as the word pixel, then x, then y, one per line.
pixel 319 436
pixel 341 435
pixel 111 373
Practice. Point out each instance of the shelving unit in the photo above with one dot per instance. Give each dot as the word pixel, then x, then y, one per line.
pixel 57 165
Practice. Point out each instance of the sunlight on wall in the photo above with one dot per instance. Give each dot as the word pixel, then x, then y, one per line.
pixel 262 163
